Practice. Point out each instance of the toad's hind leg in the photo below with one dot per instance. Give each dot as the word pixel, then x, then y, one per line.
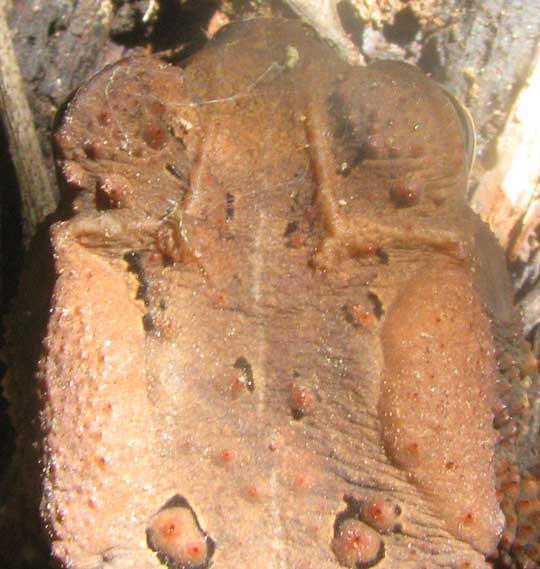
pixel 436 403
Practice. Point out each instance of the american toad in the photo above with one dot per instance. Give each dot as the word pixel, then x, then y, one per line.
pixel 273 324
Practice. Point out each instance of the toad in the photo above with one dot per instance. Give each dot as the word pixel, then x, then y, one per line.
pixel 273 328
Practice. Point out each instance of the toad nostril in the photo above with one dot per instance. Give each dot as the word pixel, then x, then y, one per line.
pixel 176 536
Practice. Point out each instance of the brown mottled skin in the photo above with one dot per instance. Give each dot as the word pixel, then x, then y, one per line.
pixel 273 324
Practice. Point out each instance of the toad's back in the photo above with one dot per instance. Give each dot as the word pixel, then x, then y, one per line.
pixel 267 347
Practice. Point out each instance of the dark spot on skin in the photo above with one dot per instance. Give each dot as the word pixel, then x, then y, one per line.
pixel 383 256
pixel 294 238
pixel 135 266
pixel 378 308
pixel 230 206
pixel 292 226
pixel 297 415
pixel 349 317
pixel 247 372
pixel 168 261
pixel 148 323
pixel 177 537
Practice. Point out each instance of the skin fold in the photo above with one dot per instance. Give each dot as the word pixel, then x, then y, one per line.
pixel 270 330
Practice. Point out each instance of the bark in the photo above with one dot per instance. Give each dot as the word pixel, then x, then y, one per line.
pixel 24 146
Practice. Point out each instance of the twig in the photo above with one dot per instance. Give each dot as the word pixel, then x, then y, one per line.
pixel 36 191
